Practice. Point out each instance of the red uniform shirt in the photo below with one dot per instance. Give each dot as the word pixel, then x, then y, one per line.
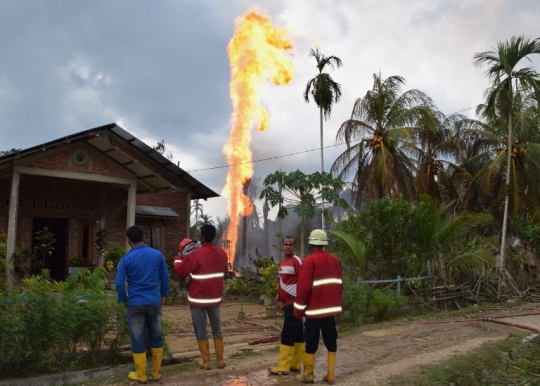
pixel 320 286
pixel 288 278
pixel 206 268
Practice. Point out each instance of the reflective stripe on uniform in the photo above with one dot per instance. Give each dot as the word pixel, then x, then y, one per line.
pixel 289 288
pixel 299 306
pixel 317 283
pixel 177 262
pixel 321 311
pixel 207 276
pixel 204 301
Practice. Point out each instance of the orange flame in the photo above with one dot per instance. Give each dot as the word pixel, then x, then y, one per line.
pixel 258 53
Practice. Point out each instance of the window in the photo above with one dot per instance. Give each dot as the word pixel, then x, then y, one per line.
pixel 81 207
pixel 157 237
pixel 34 204
pixel 45 204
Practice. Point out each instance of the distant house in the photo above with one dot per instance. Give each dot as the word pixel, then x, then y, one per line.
pixel 98 178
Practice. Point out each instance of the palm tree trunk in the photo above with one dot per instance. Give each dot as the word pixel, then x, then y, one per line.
pixel 302 236
pixel 506 198
pixel 322 162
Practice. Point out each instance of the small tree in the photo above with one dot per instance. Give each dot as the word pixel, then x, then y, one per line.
pixel 45 245
pixel 302 191
pixel 101 242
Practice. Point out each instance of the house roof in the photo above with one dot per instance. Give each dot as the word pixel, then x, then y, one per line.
pixel 147 179
pixel 155 211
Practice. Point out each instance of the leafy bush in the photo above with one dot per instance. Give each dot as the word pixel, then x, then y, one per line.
pixel 114 254
pixel 39 326
pixel 354 302
pixel 383 305
pixel 270 280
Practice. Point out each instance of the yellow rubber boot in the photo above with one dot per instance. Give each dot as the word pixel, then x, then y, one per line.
pixel 307 374
pixel 296 362
pixel 285 358
pixel 157 356
pixel 218 345
pixel 204 362
pixel 330 376
pixel 139 374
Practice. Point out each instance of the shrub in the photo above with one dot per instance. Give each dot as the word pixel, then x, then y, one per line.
pixel 383 305
pixel 114 254
pixel 354 302
pixel 39 326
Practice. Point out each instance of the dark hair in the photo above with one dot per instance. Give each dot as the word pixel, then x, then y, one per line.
pixel 288 237
pixel 135 234
pixel 209 232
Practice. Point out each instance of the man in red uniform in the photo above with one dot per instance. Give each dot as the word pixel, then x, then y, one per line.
pixel 292 340
pixel 206 268
pixel 318 298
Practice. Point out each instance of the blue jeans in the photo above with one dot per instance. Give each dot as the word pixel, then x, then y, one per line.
pixel 142 319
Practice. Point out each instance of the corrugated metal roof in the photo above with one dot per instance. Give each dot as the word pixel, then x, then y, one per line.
pixel 155 211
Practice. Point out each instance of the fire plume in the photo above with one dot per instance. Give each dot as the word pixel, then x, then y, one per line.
pixel 259 53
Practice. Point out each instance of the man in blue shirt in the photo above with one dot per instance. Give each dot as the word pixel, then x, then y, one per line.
pixel 142 282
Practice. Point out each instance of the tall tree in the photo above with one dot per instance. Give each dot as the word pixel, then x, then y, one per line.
pixel 325 92
pixel 301 192
pixel 380 139
pixel 506 78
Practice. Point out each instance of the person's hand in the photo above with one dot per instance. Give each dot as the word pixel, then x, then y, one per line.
pixel 125 304
pixel 162 301
pixel 279 306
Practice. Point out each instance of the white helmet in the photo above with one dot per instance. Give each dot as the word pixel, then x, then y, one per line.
pixel 318 237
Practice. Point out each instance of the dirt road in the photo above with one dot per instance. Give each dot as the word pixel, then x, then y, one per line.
pixel 369 357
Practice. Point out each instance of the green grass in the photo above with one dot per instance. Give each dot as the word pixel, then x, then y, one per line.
pixel 490 364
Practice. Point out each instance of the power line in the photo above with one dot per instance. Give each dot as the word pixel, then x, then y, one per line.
pixel 268 159
pixel 291 154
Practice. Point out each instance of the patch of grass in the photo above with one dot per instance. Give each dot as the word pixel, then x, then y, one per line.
pixel 479 367
pixel 245 354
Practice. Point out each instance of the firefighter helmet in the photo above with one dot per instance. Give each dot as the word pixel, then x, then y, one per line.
pixel 318 237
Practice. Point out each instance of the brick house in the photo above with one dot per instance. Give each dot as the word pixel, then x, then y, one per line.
pixel 99 178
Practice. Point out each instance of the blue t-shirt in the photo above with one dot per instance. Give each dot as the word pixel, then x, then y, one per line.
pixel 145 271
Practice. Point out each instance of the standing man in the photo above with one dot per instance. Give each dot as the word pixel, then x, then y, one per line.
pixel 206 268
pixel 292 334
pixel 145 271
pixel 318 298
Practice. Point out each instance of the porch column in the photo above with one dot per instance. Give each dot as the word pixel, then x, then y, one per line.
pixel 131 201
pixel 188 211
pixel 12 226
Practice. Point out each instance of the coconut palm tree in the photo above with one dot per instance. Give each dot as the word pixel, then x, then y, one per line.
pixel 325 92
pixel 487 166
pixel 435 151
pixel 380 139
pixel 506 79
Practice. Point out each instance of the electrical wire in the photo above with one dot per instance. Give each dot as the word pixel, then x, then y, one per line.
pixel 291 154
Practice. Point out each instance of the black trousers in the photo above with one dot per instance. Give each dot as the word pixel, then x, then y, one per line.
pixel 313 327
pixel 293 331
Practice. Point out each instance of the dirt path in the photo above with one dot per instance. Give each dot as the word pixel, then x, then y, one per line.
pixel 370 357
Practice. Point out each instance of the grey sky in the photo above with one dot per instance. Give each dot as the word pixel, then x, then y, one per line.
pixel 160 69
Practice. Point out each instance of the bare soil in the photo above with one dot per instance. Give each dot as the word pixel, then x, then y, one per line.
pixel 367 357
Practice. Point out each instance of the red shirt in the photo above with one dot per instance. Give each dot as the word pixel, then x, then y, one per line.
pixel 320 287
pixel 206 268
pixel 288 278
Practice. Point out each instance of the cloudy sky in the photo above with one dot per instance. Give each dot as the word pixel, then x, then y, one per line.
pixel 160 69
